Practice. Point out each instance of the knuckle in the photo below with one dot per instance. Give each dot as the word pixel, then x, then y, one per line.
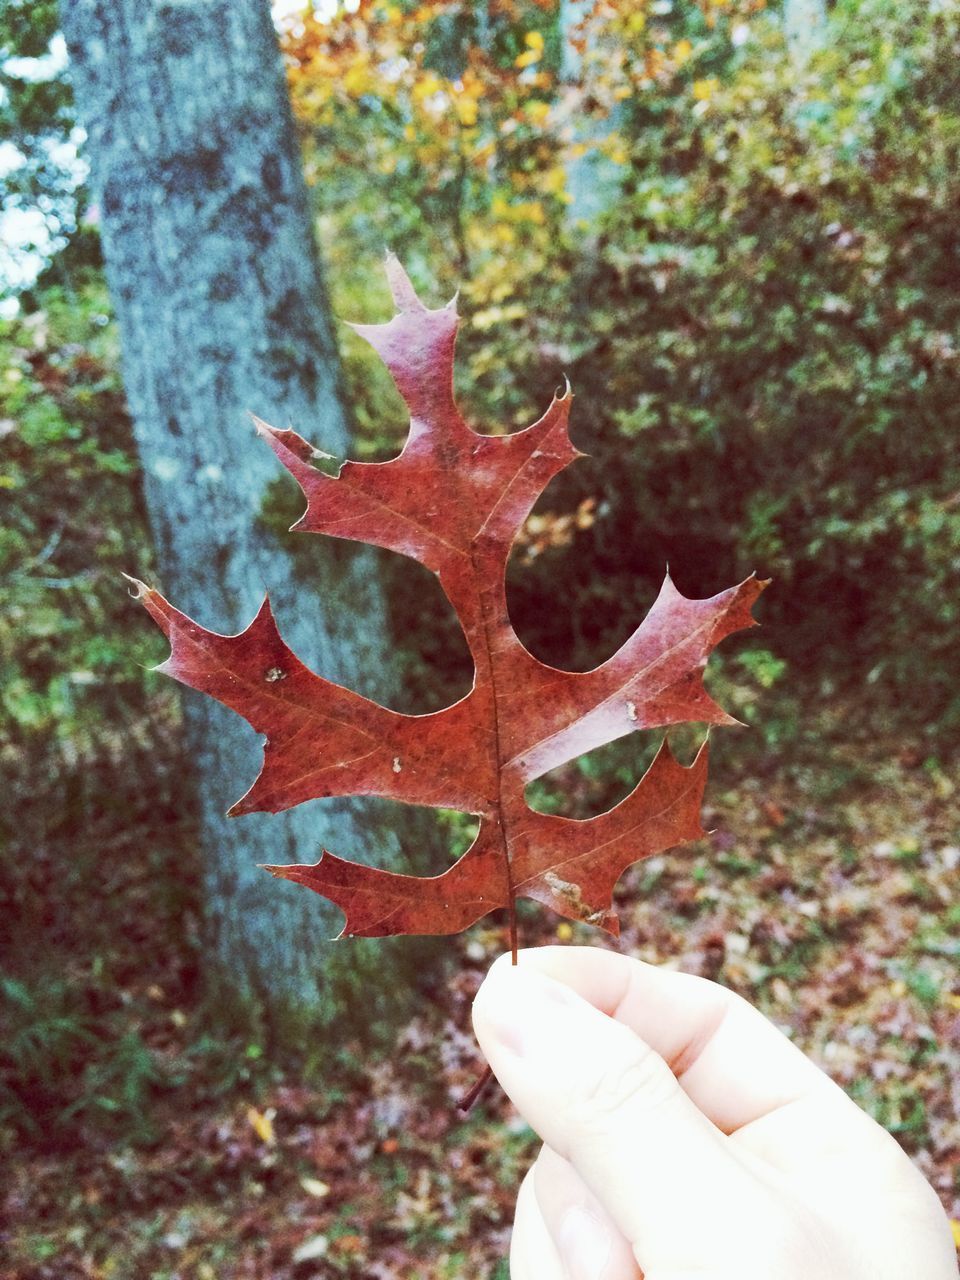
pixel 640 1080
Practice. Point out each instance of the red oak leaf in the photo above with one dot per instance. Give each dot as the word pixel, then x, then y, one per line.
pixel 455 501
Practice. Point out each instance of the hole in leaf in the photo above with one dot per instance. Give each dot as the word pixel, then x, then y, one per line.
pixel 550 565
pixel 457 832
pixel 598 780
pixel 686 740
pixel 435 667
pixel 426 841
pixel 432 666
pixel 578 584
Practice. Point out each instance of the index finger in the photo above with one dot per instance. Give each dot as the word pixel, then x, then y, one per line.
pixel 729 1059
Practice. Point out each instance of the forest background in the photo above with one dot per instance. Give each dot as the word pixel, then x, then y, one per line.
pixel 735 229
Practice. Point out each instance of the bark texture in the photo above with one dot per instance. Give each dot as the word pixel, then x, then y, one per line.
pixel 594 182
pixel 222 312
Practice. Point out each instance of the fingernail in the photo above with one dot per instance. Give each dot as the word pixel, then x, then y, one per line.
pixel 529 1014
pixel 584 1244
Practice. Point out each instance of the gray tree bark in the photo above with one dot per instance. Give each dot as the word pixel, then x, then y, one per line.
pixel 222 311
pixel 593 181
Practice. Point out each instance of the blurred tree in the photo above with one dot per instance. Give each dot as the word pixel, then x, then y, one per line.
pixel 222 311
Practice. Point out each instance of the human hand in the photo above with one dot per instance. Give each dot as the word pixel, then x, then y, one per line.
pixel 685 1138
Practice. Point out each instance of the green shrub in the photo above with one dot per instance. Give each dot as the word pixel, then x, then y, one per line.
pixel 784 364
pixel 72 656
pixel 64 1070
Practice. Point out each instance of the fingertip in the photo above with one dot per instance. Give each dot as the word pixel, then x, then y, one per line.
pixel 488 993
pixel 586 1238
pixel 533 1252
pixel 598 1095
pixel 524 1013
pixel 733 1062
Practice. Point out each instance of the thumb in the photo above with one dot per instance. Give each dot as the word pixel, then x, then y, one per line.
pixel 607 1102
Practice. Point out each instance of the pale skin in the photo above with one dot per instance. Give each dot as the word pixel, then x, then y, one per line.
pixel 686 1138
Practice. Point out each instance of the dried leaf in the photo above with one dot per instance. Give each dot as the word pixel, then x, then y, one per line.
pixel 312 1249
pixel 455 501
pixel 261 1122
pixel 314 1187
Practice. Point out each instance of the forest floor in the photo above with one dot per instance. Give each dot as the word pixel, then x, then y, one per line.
pixel 142 1142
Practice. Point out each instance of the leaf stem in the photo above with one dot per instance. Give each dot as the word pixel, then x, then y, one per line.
pixel 470 1098
pixel 486 655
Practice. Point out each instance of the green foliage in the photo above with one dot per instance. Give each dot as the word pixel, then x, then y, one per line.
pixel 72 673
pixel 59 1072
pixel 783 279
pixel 900 1110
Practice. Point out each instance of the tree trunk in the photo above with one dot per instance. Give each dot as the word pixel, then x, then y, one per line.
pixel 593 181
pixel 222 311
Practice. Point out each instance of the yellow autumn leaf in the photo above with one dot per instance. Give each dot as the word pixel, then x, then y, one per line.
pixel 521 211
pixel 653 61
pixel 314 1187
pixel 527 59
pixel 482 154
pixel 534 40
pixel 261 1122
pixel 466 109
pixel 537 111
pixel 703 90
pixel 682 51
pixel 357 79
pixel 490 317
pixel 552 181
pixel 427 87
pixel 473 84
pixel 322 67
